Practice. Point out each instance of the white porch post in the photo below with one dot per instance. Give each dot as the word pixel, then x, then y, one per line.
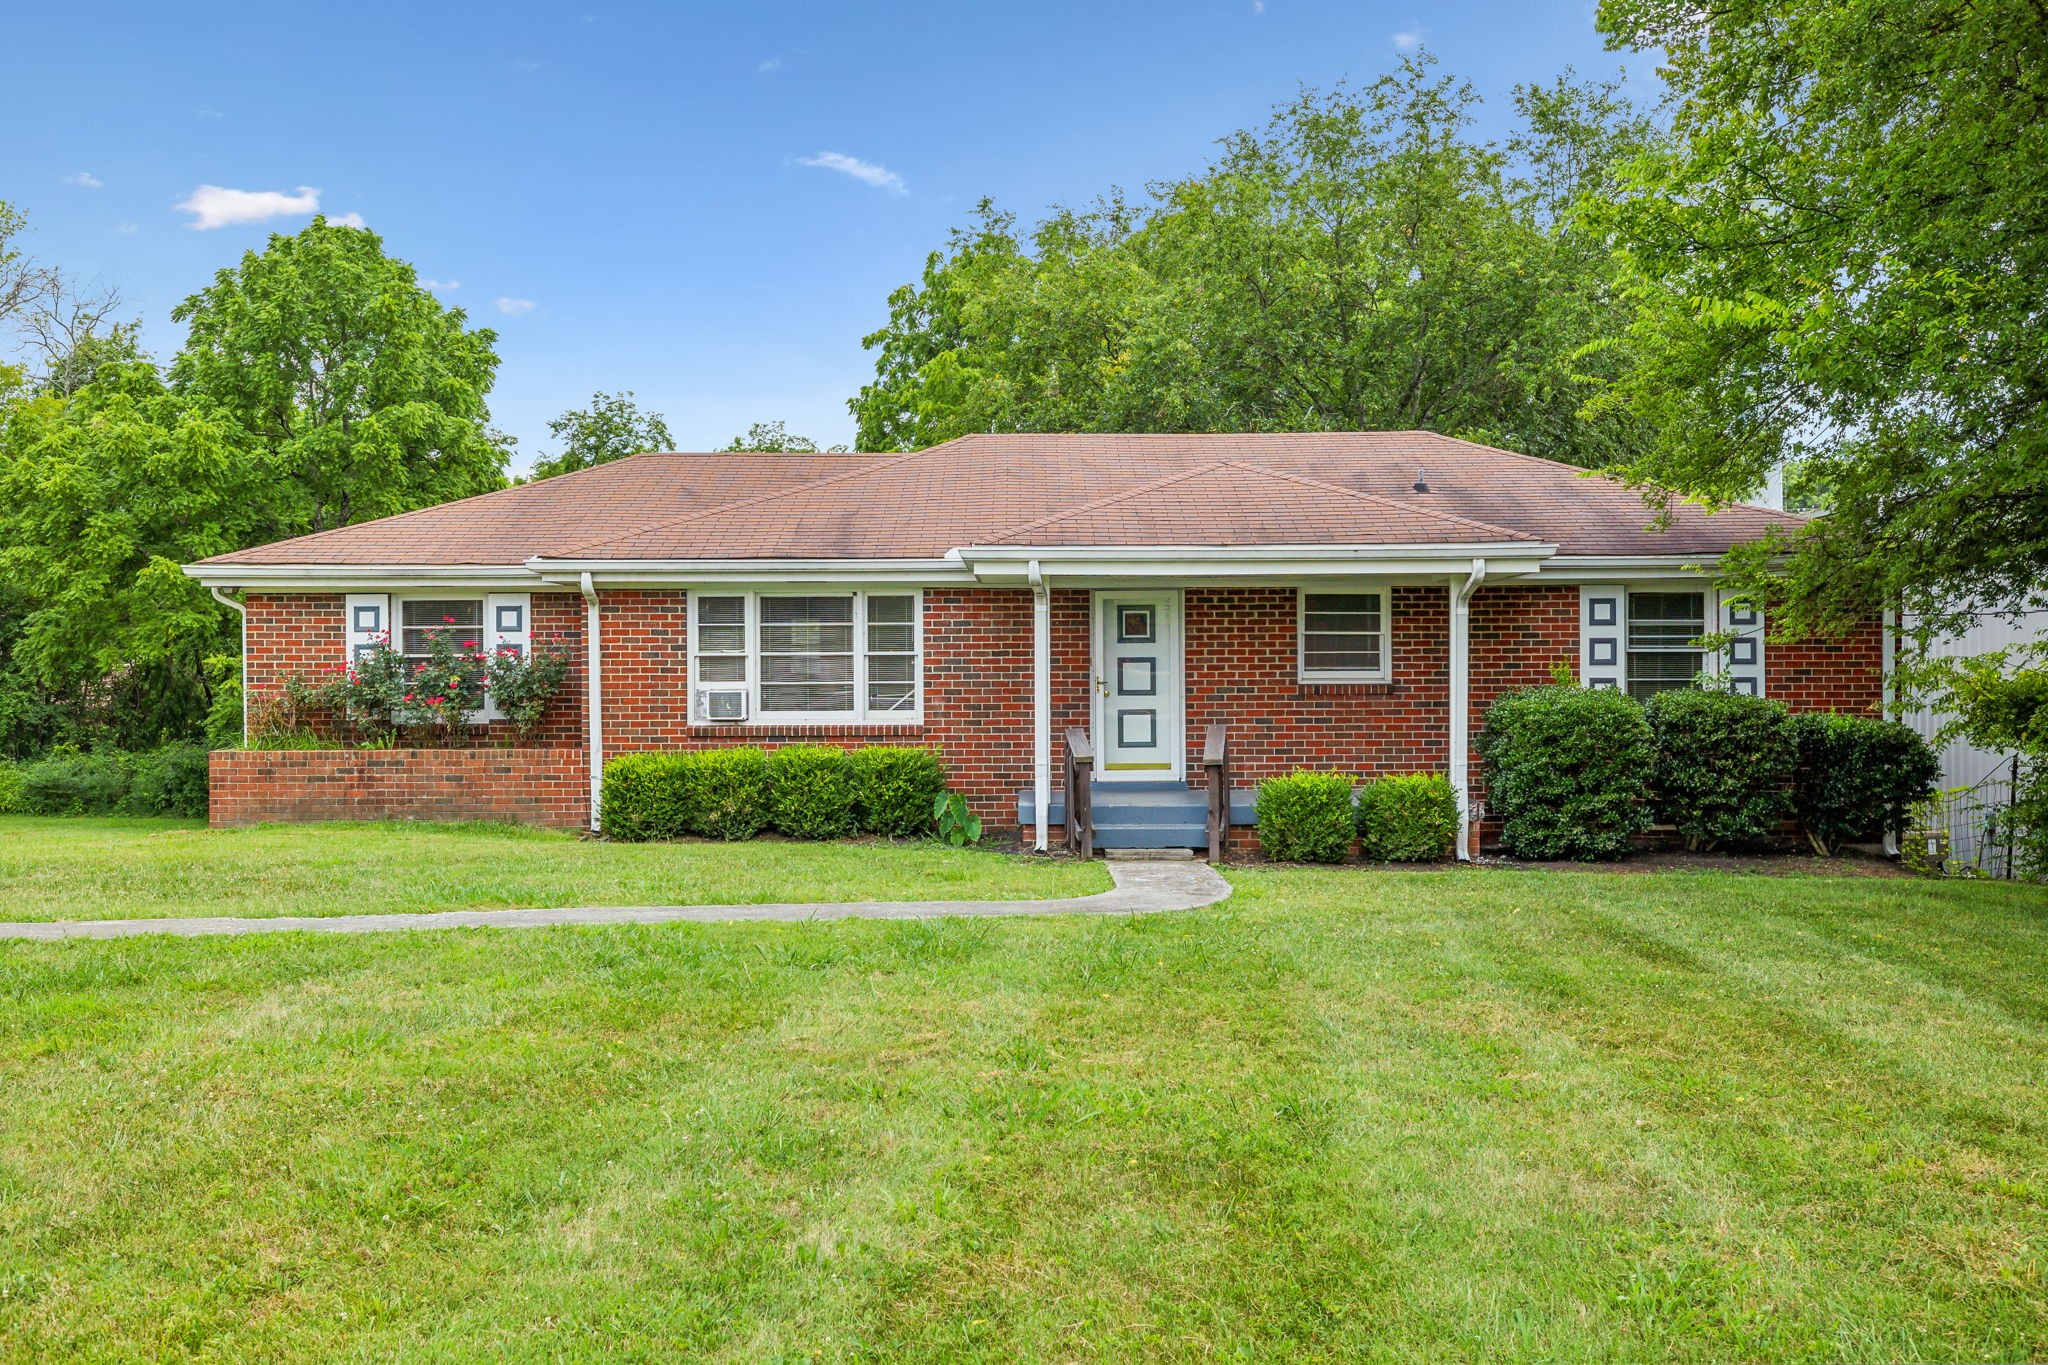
pixel 1461 700
pixel 594 699
pixel 1041 702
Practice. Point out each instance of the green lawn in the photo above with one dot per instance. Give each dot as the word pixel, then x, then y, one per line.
pixel 1347 1115
pixel 140 869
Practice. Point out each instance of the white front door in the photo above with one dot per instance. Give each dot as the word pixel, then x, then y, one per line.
pixel 1138 685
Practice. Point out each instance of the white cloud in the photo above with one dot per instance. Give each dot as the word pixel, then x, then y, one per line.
pixel 348 220
pixel 515 307
pixel 1409 39
pixel 867 172
pixel 772 64
pixel 1258 6
pixel 85 179
pixel 127 229
pixel 212 206
pixel 441 285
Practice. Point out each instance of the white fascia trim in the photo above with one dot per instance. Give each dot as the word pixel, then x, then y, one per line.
pixel 368 577
pixel 632 573
pixel 1606 568
pixel 1262 561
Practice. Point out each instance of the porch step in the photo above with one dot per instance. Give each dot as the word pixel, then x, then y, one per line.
pixel 1142 802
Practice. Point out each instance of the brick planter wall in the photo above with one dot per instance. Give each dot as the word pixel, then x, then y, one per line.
pixel 549 787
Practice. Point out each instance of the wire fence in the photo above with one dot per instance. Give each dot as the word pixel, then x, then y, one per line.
pixel 1967 831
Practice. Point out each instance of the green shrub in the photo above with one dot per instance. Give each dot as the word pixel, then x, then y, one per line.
pixel 646 796
pixel 811 791
pixel 75 784
pixel 894 788
pixel 1305 817
pixel 1410 819
pixel 292 740
pixel 224 713
pixel 726 793
pixel 1857 777
pixel 11 794
pixel 1723 766
pixel 1567 771
pixel 171 780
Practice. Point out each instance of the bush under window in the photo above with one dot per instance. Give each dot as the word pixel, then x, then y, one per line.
pixel 894 789
pixel 726 793
pixel 1723 771
pixel 1858 777
pixel 1410 819
pixel 811 792
pixel 1305 817
pixel 1567 771
pixel 646 796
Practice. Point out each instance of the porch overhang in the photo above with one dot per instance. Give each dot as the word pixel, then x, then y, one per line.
pixel 1077 565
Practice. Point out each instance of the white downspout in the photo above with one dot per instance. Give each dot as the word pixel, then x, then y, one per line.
pixel 1461 701
pixel 1041 702
pixel 241 610
pixel 594 698
pixel 1891 709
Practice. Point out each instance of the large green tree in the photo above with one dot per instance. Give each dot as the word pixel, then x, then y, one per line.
pixel 611 428
pixel 767 438
pixel 1362 262
pixel 1838 262
pixel 360 391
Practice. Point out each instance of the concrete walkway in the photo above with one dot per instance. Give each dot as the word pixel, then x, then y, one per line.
pixel 1142 888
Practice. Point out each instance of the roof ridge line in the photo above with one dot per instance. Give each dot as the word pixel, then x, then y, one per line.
pixel 1588 471
pixel 1164 481
pixel 1313 482
pixel 757 498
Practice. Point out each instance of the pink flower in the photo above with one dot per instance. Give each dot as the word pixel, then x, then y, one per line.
pixel 448 620
pixel 469 644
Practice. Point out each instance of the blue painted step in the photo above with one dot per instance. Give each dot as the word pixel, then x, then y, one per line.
pixel 1138 803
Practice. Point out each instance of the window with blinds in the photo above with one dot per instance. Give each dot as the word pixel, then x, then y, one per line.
pixel 841 656
pixel 1343 637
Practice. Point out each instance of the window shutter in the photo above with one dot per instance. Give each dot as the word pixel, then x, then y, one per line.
pixel 1742 663
pixel 508 624
pixel 367 620
pixel 1602 622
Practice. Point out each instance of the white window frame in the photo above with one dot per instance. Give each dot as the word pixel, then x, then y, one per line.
pixel 1383 673
pixel 486 628
pixel 1709 659
pixel 861 714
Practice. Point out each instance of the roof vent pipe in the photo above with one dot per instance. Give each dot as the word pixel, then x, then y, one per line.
pixel 1422 481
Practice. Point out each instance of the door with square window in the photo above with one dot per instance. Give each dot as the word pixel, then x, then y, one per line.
pixel 1138 692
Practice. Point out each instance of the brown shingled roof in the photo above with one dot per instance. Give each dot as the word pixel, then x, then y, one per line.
pixel 1299 488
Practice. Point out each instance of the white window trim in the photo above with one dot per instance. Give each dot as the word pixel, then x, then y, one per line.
pixel 860 715
pixel 1384 673
pixel 395 635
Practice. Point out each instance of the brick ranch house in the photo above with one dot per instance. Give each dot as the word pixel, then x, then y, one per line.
pixel 1334 601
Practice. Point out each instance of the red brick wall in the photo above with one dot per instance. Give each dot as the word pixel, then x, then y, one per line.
pixel 1829 675
pixel 305 634
pixel 525 786
pixel 1240 671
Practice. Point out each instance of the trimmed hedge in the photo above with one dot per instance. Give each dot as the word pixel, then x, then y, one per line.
pixel 644 796
pixel 1567 771
pixel 1411 819
pixel 725 793
pixel 894 789
pixel 1857 777
pixel 1305 817
pixel 1723 771
pixel 810 792
pixel 807 791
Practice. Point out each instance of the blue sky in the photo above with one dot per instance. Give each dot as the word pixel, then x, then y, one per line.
pixel 707 204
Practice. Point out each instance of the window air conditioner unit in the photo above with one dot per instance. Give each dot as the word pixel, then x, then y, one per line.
pixel 722 703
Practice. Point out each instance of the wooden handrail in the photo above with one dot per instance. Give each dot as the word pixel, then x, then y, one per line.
pixel 1079 776
pixel 1216 765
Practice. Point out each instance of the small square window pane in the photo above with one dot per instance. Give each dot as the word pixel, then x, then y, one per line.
pixel 891 696
pixel 890 668
pixel 1341 660
pixel 804 637
pixel 722 639
pixel 891 609
pixel 722 610
pixel 894 638
pixel 1343 601
pixel 1680 664
pixel 722 668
